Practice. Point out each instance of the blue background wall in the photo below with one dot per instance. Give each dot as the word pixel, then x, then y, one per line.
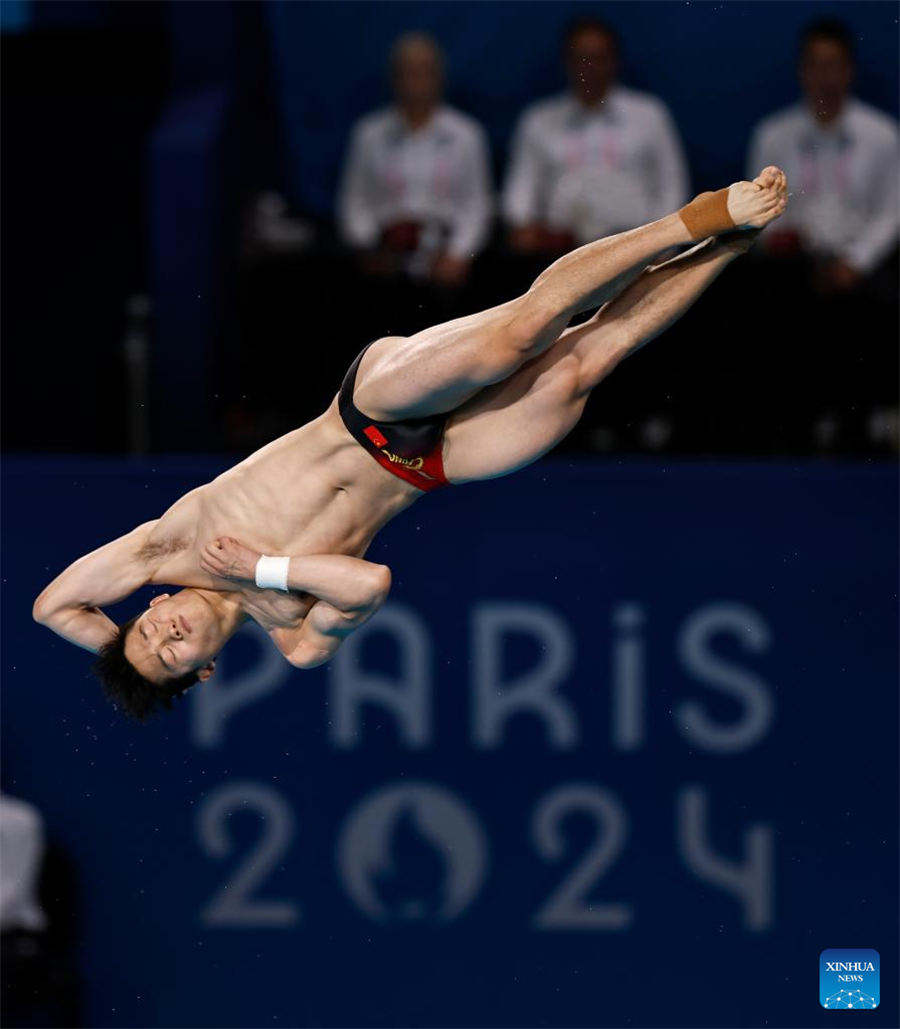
pixel 698 798
pixel 719 66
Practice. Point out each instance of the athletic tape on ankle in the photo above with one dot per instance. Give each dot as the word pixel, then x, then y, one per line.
pixel 707 215
pixel 272 572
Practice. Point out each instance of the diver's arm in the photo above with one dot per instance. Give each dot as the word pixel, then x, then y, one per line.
pixel 347 584
pixel 323 630
pixel 348 592
pixel 70 605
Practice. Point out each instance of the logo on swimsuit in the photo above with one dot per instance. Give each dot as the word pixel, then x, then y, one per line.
pixel 415 463
pixel 375 436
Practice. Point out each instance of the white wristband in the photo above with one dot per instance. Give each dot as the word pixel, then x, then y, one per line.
pixel 272 572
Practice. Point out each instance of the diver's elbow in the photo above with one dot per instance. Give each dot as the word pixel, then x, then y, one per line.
pixel 307 657
pixel 40 609
pixel 381 584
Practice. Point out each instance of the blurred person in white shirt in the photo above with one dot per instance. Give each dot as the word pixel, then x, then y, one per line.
pixel 415 197
pixel 842 158
pixel 40 984
pixel 829 272
pixel 21 854
pixel 596 160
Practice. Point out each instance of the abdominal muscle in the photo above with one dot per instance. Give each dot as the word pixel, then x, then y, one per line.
pixel 312 491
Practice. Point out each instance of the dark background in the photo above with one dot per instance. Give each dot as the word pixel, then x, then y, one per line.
pixel 135 139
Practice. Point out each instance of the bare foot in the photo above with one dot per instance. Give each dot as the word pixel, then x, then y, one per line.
pixel 770 179
pixel 752 205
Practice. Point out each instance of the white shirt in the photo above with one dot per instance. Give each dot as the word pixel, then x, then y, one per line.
pixel 843 179
pixel 21 853
pixel 438 174
pixel 594 171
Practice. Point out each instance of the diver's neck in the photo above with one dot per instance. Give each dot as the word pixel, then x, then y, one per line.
pixel 230 608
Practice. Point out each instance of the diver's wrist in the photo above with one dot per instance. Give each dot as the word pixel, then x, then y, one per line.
pixel 272 572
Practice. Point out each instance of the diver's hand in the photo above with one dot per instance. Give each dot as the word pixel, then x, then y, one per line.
pixel 226 557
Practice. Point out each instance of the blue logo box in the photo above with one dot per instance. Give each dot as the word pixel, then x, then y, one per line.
pixel 849 979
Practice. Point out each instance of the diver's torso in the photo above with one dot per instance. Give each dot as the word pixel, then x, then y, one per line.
pixel 311 491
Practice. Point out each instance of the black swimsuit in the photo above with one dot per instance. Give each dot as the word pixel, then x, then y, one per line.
pixel 410 449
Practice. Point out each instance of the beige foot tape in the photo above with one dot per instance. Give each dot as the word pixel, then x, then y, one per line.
pixel 707 215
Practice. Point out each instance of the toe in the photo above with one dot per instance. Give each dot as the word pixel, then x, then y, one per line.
pixel 767 177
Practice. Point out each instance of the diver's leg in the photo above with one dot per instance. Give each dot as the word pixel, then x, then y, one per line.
pixel 437 370
pixel 517 421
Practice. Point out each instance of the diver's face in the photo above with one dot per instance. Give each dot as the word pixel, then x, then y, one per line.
pixel 175 636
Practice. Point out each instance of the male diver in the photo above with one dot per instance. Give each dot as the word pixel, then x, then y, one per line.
pixel 280 537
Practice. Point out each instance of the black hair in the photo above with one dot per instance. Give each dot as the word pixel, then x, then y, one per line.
pixel 589 23
pixel 832 29
pixel 138 698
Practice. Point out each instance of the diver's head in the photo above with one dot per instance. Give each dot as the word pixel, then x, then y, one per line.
pixel 160 653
